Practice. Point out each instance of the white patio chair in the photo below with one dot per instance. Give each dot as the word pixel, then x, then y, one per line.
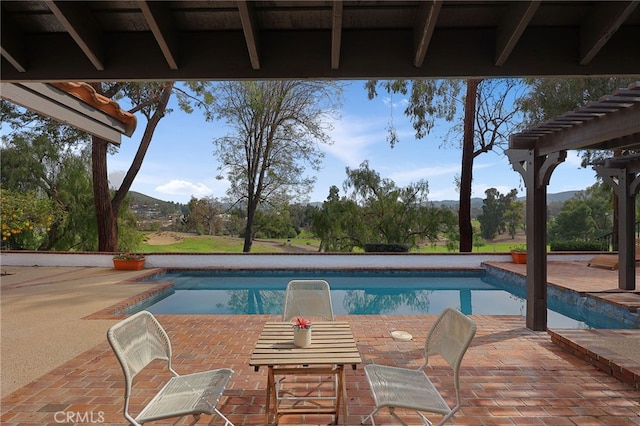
pixel 309 299
pixel 140 339
pixel 396 387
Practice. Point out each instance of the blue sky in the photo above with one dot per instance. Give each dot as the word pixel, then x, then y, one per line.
pixel 180 163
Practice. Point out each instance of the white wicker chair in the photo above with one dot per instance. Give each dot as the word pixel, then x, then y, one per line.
pixel 396 387
pixel 308 299
pixel 140 339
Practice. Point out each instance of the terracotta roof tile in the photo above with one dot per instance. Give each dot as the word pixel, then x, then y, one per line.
pixel 88 94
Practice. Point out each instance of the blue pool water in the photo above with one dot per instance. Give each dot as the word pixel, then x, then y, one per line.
pixel 359 293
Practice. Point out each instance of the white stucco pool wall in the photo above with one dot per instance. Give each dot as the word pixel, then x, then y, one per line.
pixel 277 261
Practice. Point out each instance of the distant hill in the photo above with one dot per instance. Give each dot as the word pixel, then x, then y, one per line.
pixel 476 203
pixel 144 206
pixel 139 198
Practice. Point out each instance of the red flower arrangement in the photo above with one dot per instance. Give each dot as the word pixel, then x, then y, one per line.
pixel 302 323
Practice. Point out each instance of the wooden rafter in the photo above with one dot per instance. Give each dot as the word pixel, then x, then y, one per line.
pixel 79 23
pixel 511 28
pixel 336 34
pixel 423 30
pixel 163 28
pixel 603 22
pixel 249 28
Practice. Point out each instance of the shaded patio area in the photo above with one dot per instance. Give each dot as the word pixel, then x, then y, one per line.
pixel 510 375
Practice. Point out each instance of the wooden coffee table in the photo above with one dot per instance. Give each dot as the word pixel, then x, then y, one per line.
pixel 332 347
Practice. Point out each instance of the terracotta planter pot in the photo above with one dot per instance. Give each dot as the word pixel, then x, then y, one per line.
pixel 302 337
pixel 519 256
pixel 128 265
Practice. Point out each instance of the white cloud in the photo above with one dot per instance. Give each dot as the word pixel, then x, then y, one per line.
pixel 573 159
pixel 413 175
pixel 353 137
pixel 183 187
pixel 116 178
pixel 401 103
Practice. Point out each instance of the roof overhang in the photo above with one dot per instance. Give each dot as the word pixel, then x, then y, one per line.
pixel 96 115
pixel 224 40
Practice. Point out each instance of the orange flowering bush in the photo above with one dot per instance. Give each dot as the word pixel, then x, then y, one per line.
pixel 25 219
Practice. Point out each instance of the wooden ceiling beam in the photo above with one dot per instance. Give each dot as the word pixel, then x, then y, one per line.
pixel 10 48
pixel 79 23
pixel 163 28
pixel 423 29
pixel 511 28
pixel 336 33
pixel 249 28
pixel 602 23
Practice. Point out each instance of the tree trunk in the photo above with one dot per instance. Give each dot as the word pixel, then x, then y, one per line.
pixel 466 175
pixel 106 208
pixel 248 232
pixel 107 221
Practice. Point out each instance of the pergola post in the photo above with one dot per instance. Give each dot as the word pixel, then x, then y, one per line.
pixel 536 171
pixel 621 175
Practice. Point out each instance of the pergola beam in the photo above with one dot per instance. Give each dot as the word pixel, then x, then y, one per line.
pixel 163 29
pixel 623 124
pixel 613 121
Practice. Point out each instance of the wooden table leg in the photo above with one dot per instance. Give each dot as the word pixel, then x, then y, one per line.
pixel 267 408
pixel 341 395
pixel 343 381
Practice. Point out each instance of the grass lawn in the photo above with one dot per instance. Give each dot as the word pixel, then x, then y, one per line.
pixel 170 242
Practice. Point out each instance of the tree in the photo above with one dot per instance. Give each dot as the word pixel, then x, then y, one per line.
pixel 394 215
pixel 41 156
pixel 26 219
pixel 276 129
pixel 337 223
pixel 151 100
pixel 429 99
pixel 573 223
pixel 491 217
pixel 514 217
pixel 488 119
pixel 204 215
pixel 494 212
pixel 272 223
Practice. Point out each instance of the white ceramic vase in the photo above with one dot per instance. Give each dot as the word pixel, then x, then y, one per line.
pixel 302 337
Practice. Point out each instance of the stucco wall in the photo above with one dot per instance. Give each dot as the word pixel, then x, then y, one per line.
pixel 274 261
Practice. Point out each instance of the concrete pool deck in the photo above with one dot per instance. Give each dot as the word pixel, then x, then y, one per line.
pixel 55 359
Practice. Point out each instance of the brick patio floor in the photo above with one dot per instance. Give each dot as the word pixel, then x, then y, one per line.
pixel 510 376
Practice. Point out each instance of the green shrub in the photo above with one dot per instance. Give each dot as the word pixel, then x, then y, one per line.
pixel 591 245
pixel 386 248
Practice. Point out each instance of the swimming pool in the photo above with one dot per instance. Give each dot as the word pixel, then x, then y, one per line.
pixel 360 292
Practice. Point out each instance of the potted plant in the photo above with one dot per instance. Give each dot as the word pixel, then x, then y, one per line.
pixel 128 261
pixel 519 254
pixel 302 332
